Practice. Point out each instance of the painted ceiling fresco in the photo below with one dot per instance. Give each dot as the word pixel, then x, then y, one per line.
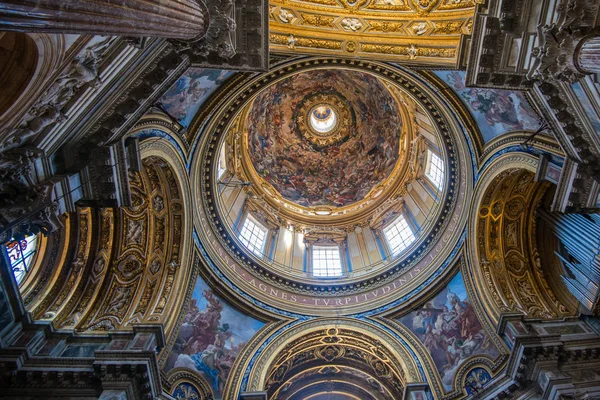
pixel 211 337
pixel 496 111
pixel 590 110
pixel 450 330
pixel 339 173
pixel 184 98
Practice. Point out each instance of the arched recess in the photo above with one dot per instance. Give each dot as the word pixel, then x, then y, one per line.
pixel 51 254
pixel 18 61
pixel 183 383
pixel 115 268
pixel 502 246
pixel 347 356
pixel 37 60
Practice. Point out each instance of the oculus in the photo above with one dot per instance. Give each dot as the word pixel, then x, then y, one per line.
pixel 323 119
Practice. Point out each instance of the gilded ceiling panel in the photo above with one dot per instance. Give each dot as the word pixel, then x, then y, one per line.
pixel 420 31
pixel 507 249
pixel 357 361
pixel 122 268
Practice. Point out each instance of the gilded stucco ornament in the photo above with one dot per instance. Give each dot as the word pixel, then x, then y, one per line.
pixel 370 344
pixel 119 267
pixel 324 119
pixel 424 7
pixel 319 26
pixel 502 243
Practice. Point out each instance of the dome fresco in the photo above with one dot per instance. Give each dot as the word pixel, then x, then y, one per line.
pixel 359 116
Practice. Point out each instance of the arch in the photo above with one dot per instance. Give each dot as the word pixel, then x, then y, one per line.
pixel 18 62
pixel 182 283
pixel 185 377
pixel 502 248
pixel 332 343
pixel 49 51
pixel 110 269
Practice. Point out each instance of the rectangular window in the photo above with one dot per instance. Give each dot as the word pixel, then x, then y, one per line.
pixel 326 261
pixel 253 235
pixel 435 169
pixel 398 235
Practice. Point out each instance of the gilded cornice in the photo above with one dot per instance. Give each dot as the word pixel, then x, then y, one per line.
pixel 545 143
pixel 420 32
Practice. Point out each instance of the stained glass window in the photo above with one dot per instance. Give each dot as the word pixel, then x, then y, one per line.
pixel 326 261
pixel 435 169
pixel 253 235
pixel 20 254
pixel 399 235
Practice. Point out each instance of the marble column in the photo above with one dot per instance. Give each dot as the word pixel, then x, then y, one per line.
pixel 176 19
pixel 587 54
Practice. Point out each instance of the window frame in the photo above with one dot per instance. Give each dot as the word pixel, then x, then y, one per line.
pixel 341 259
pixel 438 186
pixel 402 217
pixel 248 217
pixel 25 258
pixel 222 164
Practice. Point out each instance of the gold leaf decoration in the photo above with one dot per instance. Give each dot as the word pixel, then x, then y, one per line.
pixel 321 21
pixel 385 26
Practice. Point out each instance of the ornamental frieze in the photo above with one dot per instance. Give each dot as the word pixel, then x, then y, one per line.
pixel 319 26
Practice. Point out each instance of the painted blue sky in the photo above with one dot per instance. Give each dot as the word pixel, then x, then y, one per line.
pixel 241 325
pixel 184 98
pixel 495 111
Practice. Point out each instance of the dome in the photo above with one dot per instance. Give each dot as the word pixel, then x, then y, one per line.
pixel 325 137
pixel 334 178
